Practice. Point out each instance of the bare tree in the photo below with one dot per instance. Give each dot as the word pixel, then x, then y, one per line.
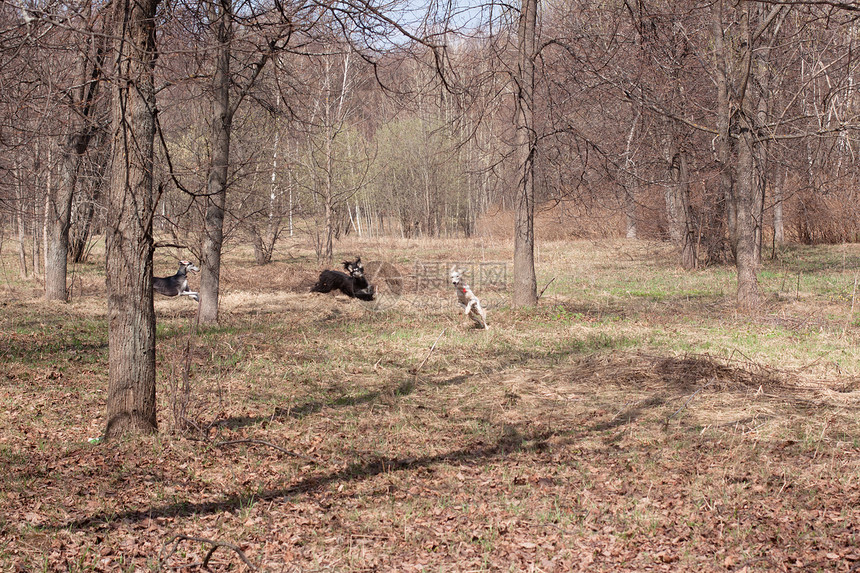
pixel 264 237
pixel 740 53
pixel 221 21
pixel 53 55
pixel 682 229
pixel 336 161
pixel 630 178
pixel 525 281
pixel 221 17
pixel 739 115
pixel 82 104
pixel 131 328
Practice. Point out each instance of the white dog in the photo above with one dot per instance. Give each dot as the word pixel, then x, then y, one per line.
pixel 470 303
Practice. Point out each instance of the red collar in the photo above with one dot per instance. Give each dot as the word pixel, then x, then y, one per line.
pixel 464 289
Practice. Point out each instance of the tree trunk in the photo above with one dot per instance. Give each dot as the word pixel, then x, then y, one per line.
pixel 60 216
pixel 763 99
pixel 85 213
pixel 131 316
pixel 778 220
pixel 675 213
pixel 328 250
pixel 259 247
pixel 745 200
pixel 630 180
pixel 36 218
pixel 681 224
pixel 72 150
pixel 49 184
pixel 328 223
pixel 222 120
pixel 723 144
pixel 273 224
pixel 21 223
pixel 735 122
pixel 290 201
pixel 525 281
pixel 630 193
pixel 83 223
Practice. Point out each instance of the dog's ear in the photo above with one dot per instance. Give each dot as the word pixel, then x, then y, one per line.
pixel 346 264
pixel 358 261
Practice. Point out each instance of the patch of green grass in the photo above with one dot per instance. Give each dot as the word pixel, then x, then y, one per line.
pixel 56 342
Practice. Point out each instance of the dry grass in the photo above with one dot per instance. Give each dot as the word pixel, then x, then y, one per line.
pixel 634 421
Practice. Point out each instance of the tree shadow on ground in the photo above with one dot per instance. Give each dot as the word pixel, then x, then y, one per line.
pixel 314 406
pixel 658 387
pixel 678 377
pixel 511 440
pixel 629 415
pixel 680 374
pixel 813 259
pixel 403 388
pixel 46 351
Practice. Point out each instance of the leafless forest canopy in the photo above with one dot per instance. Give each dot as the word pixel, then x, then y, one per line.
pixel 684 121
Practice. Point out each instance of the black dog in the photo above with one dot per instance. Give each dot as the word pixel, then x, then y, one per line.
pixel 353 285
pixel 177 285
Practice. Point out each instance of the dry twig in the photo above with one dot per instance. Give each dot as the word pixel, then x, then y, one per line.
pixel 540 294
pixel 420 366
pixel 684 405
pixel 176 539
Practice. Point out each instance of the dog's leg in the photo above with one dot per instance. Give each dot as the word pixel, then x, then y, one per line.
pixel 484 318
pixel 468 308
pixel 191 294
pixel 478 318
pixel 482 314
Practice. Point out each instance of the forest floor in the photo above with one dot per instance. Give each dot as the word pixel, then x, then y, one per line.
pixel 633 421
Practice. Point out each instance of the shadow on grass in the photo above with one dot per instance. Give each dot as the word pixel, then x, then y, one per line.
pixel 495 363
pixel 314 406
pixel 52 351
pixel 679 377
pixel 512 440
pixel 629 415
pixel 814 259
pixel 408 385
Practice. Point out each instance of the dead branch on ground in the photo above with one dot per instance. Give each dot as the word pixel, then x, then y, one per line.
pixel 684 405
pixel 540 294
pixel 176 539
pixel 420 366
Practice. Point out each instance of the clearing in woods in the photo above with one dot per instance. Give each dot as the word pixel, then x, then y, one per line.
pixel 632 422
